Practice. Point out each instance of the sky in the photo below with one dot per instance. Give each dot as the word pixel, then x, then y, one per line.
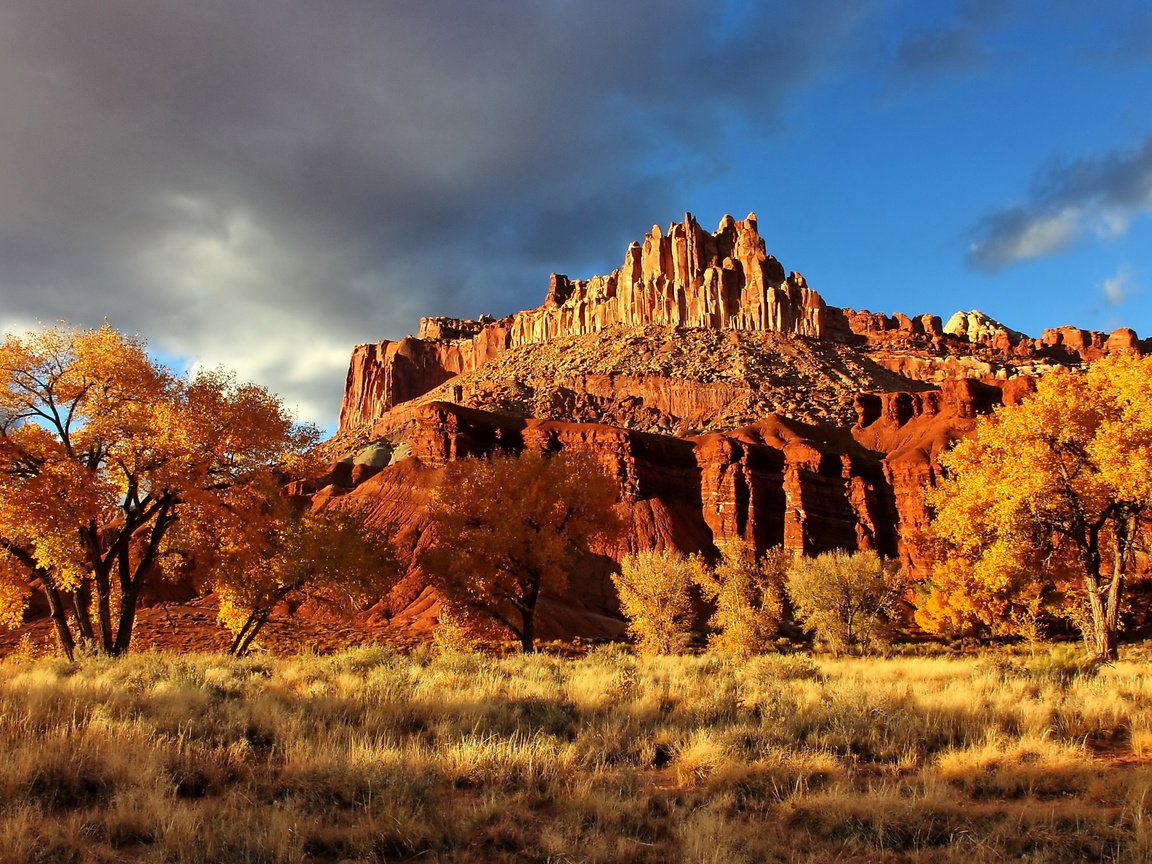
pixel 262 185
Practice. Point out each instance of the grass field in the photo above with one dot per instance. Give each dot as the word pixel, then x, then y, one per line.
pixel 369 755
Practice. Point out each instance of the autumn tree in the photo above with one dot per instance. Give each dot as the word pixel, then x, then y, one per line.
pixel 747 593
pixel 276 552
pixel 509 528
pixel 955 602
pixel 1059 483
pixel 102 452
pixel 655 592
pixel 845 598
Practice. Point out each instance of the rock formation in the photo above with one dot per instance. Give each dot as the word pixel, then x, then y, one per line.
pixel 807 487
pixel 682 277
pixel 726 397
pixel 685 277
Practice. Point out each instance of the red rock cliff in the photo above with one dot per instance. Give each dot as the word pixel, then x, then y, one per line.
pixel 684 276
pixel 808 487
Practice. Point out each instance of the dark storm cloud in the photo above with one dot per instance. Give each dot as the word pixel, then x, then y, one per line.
pixel 955 40
pixel 265 184
pixel 1070 199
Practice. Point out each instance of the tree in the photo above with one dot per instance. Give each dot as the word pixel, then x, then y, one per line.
pixel 845 598
pixel 747 594
pixel 1059 485
pixel 280 553
pixel 954 602
pixel 102 452
pixel 655 591
pixel 509 528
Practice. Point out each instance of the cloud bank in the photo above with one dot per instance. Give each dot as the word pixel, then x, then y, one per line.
pixel 262 185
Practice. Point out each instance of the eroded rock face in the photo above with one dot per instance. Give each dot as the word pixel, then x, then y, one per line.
pixel 683 277
pixel 807 487
pixel 723 394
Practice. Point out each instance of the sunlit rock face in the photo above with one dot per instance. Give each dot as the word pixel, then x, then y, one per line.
pixel 683 277
pixel 687 278
pixel 726 397
pixel 777 482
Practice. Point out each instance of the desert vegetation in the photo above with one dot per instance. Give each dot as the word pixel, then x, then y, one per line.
pixel 107 457
pixel 510 527
pixel 369 755
pixel 705 745
pixel 1048 501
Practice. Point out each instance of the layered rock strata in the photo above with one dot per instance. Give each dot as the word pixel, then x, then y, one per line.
pixel 683 277
pixel 807 487
pixel 686 277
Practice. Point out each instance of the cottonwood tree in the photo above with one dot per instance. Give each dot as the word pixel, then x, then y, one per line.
pixel 507 529
pixel 1059 483
pixel 845 598
pixel 955 602
pixel 655 592
pixel 276 552
pixel 102 452
pixel 747 592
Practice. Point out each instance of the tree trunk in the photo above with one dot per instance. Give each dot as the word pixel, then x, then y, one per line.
pixel 104 611
pixel 1125 528
pixel 528 618
pixel 527 634
pixel 127 620
pixel 82 600
pixel 59 619
pixel 247 634
pixel 1102 638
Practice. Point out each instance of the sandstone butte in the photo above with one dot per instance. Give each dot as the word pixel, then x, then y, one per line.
pixel 726 396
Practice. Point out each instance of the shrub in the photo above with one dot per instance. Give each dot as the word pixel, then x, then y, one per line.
pixel 747 594
pixel 846 599
pixel 655 590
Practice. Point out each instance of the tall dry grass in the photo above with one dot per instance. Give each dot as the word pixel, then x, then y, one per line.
pixel 373 756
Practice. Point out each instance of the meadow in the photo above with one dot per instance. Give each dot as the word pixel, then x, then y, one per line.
pixel 370 755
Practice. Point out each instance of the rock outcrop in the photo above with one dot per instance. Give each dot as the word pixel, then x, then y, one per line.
pixel 684 381
pixel 682 277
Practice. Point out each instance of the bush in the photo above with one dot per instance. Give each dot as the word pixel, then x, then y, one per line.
pixel 655 591
pixel 747 594
pixel 846 599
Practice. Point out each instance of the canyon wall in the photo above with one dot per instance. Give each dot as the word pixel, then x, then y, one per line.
pixel 810 488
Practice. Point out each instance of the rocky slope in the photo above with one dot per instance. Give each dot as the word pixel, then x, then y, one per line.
pixel 663 379
pixel 779 481
pixel 693 281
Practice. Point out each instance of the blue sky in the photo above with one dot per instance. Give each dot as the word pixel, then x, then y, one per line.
pixel 264 185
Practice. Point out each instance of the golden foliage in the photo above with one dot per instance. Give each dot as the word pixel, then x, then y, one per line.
pixel 285 555
pixel 508 528
pixel 957 602
pixel 655 591
pixel 102 451
pixel 847 599
pixel 14 591
pixel 1059 483
pixel 747 593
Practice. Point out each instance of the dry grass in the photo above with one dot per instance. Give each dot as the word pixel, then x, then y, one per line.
pixel 374 756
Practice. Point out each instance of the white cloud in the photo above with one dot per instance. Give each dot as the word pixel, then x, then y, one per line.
pixel 1112 223
pixel 1046 236
pixel 1117 288
pixel 1016 235
pixel 1073 199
